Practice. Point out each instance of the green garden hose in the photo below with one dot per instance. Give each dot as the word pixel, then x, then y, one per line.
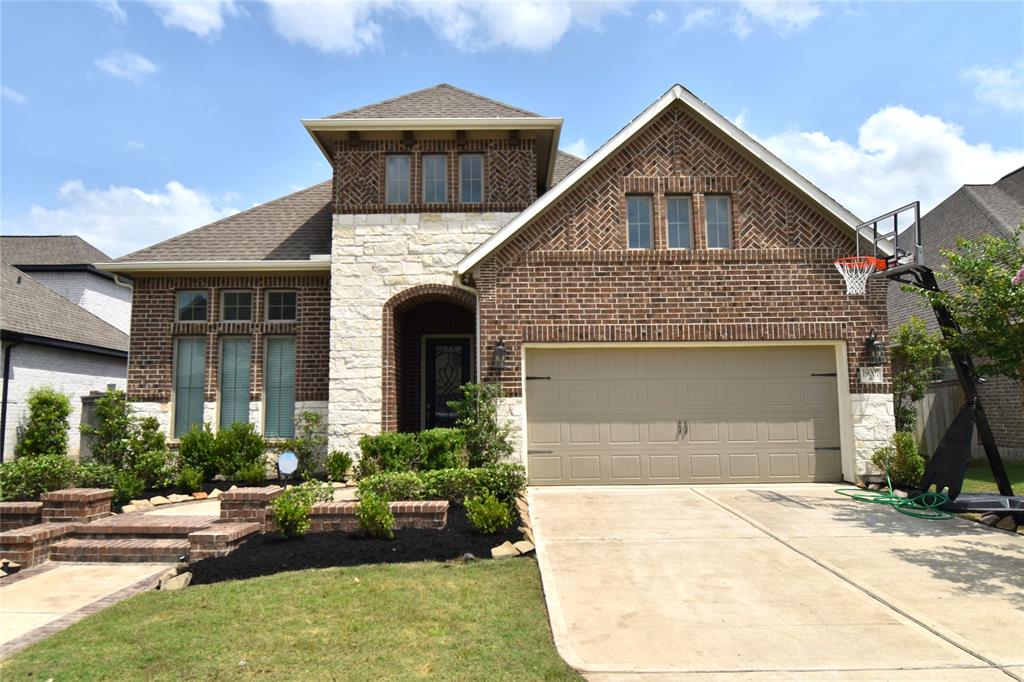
pixel 924 506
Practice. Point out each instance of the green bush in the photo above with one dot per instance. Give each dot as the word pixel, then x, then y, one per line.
pixel 454 485
pixel 190 479
pixel 441 449
pixel 198 450
pixel 504 481
pixel 94 474
pixel 253 473
pixel 155 468
pixel 375 516
pixel 488 440
pixel 120 438
pixel 394 485
pixel 901 460
pixel 338 465
pixel 290 510
pixel 240 448
pixel 487 514
pixel 127 486
pixel 27 478
pixel 309 444
pixel 388 451
pixel 44 430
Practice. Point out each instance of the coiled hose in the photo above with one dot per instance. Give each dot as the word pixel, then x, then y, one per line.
pixel 926 505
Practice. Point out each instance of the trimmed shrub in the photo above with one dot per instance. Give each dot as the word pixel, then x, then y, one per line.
pixel 453 485
pixel 375 516
pixel 290 510
pixel 901 460
pixel 388 451
pixel 127 486
pixel 338 465
pixel 155 468
pixel 27 478
pixel 252 473
pixel 240 448
pixel 190 479
pixel 441 449
pixel 393 485
pixel 120 438
pixel 44 430
pixel 488 440
pixel 487 514
pixel 198 450
pixel 93 474
pixel 309 444
pixel 504 481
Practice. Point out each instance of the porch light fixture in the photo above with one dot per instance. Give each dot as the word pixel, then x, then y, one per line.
pixel 875 350
pixel 498 356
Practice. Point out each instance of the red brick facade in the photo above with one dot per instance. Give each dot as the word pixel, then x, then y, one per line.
pixel 151 358
pixel 570 277
pixel 510 175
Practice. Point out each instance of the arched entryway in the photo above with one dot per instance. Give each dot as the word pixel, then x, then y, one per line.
pixel 429 348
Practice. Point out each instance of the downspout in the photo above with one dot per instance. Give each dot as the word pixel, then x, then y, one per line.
pixel 8 347
pixel 460 283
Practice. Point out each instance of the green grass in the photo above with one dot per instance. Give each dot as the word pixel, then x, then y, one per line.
pixel 484 620
pixel 979 478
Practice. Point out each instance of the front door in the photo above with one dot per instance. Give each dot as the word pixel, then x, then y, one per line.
pixel 447 368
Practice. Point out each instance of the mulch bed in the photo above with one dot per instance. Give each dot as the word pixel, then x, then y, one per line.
pixel 269 553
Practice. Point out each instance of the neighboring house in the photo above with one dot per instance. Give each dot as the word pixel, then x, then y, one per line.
pixel 63 324
pixel 665 311
pixel 970 212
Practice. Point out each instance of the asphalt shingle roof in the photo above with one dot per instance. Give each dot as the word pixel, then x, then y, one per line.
pixel 439 101
pixel 28 307
pixel 293 227
pixel 565 163
pixel 49 250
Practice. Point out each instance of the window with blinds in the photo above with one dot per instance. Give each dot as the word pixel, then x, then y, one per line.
pixel 189 371
pixel 279 383
pixel 235 361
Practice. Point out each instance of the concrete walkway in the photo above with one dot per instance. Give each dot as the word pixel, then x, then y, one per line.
pixel 774 582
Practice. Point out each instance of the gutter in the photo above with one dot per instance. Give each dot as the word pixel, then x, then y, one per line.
pixel 3 408
pixel 18 337
pixel 217 266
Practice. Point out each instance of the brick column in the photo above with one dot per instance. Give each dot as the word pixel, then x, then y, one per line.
pixel 76 505
pixel 19 514
pixel 249 505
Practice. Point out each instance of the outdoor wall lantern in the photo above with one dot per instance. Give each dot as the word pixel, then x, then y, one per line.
pixel 875 350
pixel 498 357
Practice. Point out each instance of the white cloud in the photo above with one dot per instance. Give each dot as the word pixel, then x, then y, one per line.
pixel 1003 87
pixel 122 219
pixel 12 95
pixel 658 16
pixel 135 146
pixel 578 148
pixel 205 18
pixel 784 16
pixel 698 17
pixel 126 65
pixel 899 156
pixel 352 27
pixel 114 9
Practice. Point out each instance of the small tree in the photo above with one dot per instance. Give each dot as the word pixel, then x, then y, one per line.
pixel 488 440
pixel 44 431
pixel 985 302
pixel 120 438
pixel 914 353
pixel 309 444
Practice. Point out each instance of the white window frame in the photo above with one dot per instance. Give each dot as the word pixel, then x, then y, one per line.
pixel 266 298
pixel 178 307
pixel 444 178
pixel 252 303
pixel 688 198
pixel 650 222
pixel 728 220
pixel 462 158
pixel 407 181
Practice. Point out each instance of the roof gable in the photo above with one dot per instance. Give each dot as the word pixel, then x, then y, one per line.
pixel 440 101
pixel 789 177
pixel 49 250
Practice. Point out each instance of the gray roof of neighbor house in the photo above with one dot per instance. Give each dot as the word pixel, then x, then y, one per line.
pixel 29 308
pixel 439 101
pixel 564 164
pixel 293 227
pixel 49 250
pixel 970 212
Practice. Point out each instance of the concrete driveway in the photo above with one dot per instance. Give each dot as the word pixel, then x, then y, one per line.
pixel 774 582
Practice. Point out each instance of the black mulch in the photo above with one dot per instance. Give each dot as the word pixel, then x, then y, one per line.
pixel 269 553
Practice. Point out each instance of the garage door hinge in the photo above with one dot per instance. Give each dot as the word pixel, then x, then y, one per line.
pixel 529 378
pixel 823 374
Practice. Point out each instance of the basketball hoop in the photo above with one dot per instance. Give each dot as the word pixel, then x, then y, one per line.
pixel 856 270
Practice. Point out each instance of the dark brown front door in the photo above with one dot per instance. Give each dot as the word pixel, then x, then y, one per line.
pixel 447 368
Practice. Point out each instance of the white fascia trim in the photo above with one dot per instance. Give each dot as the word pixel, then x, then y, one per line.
pixel 368 124
pixel 218 266
pixel 724 125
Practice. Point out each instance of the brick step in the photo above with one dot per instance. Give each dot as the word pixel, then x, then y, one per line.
pixel 144 526
pixel 106 549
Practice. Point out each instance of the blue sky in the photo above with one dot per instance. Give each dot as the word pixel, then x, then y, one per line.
pixel 130 122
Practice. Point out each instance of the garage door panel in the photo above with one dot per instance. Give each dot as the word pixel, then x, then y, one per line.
pixel 683 415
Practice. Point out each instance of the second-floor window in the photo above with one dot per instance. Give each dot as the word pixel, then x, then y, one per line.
pixel 396 179
pixel 435 179
pixel 719 223
pixel 281 306
pixel 638 221
pixel 471 178
pixel 192 306
pixel 679 222
pixel 236 306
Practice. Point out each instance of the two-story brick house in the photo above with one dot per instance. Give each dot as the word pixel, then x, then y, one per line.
pixel 664 311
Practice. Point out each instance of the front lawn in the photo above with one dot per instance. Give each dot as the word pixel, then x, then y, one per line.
pixel 483 620
pixel 979 477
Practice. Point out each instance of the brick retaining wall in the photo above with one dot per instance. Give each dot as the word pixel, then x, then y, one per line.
pixel 328 516
pixel 80 505
pixel 30 545
pixel 19 514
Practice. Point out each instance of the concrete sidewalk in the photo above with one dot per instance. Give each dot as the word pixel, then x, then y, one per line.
pixel 774 582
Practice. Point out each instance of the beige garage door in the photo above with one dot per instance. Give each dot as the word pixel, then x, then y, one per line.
pixel 682 415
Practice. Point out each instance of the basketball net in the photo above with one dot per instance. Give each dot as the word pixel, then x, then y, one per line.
pixel 856 270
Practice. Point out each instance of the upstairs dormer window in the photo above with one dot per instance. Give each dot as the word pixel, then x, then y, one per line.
pixel 435 179
pixel 396 179
pixel 471 178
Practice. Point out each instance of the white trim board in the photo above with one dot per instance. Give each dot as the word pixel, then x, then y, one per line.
pixel 718 122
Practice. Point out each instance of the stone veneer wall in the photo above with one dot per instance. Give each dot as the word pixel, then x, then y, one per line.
pixel 375 257
pixel 873 425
